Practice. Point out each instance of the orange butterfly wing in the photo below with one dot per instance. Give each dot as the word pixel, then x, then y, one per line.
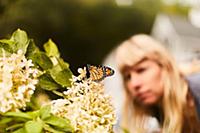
pixel 99 73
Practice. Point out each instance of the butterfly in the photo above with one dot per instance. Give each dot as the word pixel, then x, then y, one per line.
pixel 98 73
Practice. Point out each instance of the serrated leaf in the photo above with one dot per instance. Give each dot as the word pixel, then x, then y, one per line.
pixel 18 114
pixel 51 49
pixel 61 76
pixel 41 59
pixel 21 39
pixel 60 123
pixel 46 82
pixel 33 127
pixel 45 112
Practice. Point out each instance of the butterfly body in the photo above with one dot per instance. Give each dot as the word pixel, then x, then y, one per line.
pixel 98 73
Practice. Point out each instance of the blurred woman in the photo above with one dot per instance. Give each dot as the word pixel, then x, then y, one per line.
pixel 155 87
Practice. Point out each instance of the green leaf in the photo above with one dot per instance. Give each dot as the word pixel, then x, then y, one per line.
pixel 21 130
pixel 63 64
pixel 5 120
pixel 45 112
pixel 34 114
pixel 18 114
pixel 33 127
pixel 58 93
pixel 21 39
pixel 46 82
pixel 15 126
pixel 61 76
pixel 41 59
pixel 32 48
pixel 51 49
pixel 60 123
pixel 51 129
pixel 6 41
pixel 6 47
pixel 57 121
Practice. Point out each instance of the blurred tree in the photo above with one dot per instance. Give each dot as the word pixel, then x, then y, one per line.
pixel 4 4
pixel 85 30
pixel 176 9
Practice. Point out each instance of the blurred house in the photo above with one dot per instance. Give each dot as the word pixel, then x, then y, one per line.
pixel 181 38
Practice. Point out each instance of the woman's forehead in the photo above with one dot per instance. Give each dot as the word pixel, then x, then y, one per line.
pixel 133 66
pixel 143 63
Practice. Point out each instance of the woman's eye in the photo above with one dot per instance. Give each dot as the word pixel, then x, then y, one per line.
pixel 140 70
pixel 127 77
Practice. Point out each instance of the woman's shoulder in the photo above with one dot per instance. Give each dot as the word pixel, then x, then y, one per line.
pixel 194 83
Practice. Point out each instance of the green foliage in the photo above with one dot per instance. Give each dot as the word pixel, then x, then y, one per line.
pixel 45 112
pixel 51 49
pixel 35 122
pixel 41 59
pixel 5 44
pixel 33 127
pixel 5 120
pixel 20 40
pixel 54 74
pixel 31 49
pixel 60 75
pixel 21 130
pixel 19 115
pixel 60 72
pixel 46 82
pixel 59 123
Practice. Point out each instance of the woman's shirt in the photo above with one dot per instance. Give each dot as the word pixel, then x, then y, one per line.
pixel 194 86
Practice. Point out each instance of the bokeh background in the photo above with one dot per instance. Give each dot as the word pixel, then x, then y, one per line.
pixel 88 31
pixel 85 30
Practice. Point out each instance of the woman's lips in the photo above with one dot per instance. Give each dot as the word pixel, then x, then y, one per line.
pixel 143 96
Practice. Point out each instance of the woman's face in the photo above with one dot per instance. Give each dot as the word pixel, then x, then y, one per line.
pixel 144 82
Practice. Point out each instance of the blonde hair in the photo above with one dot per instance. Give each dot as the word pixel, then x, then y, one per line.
pixel 129 53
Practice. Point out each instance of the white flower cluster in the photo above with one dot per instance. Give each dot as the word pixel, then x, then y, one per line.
pixel 17 81
pixel 86 106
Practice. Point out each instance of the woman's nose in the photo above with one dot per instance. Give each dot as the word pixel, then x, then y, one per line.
pixel 135 82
